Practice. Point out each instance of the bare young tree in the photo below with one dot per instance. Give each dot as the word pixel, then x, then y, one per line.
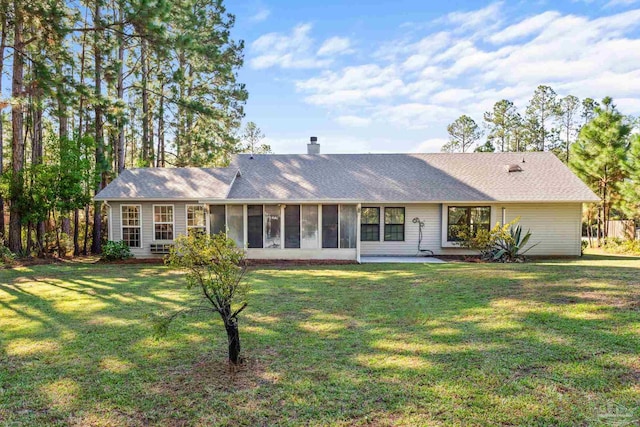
pixel 215 268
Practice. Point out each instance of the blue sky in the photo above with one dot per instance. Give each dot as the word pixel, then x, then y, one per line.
pixel 388 76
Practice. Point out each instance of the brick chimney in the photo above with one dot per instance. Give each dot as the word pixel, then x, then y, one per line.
pixel 313 147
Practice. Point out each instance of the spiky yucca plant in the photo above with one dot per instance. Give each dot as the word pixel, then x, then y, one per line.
pixel 508 248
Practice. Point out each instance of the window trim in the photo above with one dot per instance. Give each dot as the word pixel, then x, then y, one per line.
pixel 446 243
pixel 404 229
pixel 379 209
pixel 173 223
pixel 122 226
pixel 186 217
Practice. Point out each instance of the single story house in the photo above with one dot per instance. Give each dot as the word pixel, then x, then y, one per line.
pixel 344 206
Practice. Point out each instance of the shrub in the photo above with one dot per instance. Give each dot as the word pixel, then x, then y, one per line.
pixel 115 251
pixel 502 243
pixel 7 257
pixel 619 246
pixel 508 247
pixel 584 245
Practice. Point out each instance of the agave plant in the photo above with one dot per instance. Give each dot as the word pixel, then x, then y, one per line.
pixel 509 247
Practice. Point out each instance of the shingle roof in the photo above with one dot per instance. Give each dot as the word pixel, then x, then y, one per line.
pixel 434 177
pixel 165 183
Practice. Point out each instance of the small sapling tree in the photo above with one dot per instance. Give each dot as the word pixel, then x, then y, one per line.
pixel 215 268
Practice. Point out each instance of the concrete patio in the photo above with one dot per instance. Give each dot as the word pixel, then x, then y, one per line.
pixel 400 260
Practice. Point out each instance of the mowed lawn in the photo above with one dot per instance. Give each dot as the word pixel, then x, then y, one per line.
pixel 543 343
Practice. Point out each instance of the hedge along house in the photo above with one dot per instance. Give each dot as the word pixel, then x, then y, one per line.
pixel 344 206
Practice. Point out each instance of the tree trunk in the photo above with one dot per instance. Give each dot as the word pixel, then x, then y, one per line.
pixel 17 141
pixel 96 243
pixel 63 134
pixel 160 152
pixel 86 230
pixel 3 41
pixel 120 155
pixel 146 141
pixel 233 338
pixel 76 232
pixel 36 159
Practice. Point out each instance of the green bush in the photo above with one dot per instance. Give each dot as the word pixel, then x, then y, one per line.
pixel 115 251
pixel 619 246
pixel 7 257
pixel 502 243
pixel 509 247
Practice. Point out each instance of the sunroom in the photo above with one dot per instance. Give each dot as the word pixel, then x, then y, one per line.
pixel 290 231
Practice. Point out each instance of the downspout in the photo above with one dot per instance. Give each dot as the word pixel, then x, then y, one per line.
pixel 110 216
pixel 358 216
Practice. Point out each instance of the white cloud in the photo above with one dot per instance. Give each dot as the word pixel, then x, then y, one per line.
pixel 483 19
pixel 261 15
pixel 420 82
pixel 524 28
pixel 352 85
pixel 286 51
pixel 335 46
pixel 353 121
pixel 430 145
pixel 616 3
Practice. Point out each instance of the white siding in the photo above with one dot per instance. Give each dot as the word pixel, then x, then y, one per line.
pixel 556 226
pixel 429 213
pixel 180 224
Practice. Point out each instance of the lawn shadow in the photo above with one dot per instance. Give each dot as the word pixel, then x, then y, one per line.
pixel 377 344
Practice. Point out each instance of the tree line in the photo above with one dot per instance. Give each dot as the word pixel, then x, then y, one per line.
pixel 594 138
pixel 549 123
pixel 97 86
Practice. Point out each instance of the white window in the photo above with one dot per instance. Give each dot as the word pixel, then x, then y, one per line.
pixel 196 219
pixel 131 229
pixel 163 222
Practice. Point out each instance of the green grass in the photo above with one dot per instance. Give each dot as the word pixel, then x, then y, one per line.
pixel 545 343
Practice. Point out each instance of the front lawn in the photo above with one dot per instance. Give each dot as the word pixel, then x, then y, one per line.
pixel 546 343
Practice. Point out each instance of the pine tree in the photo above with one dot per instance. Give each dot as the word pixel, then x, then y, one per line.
pixel 464 133
pixel 502 121
pixel 252 137
pixel 588 110
pixel 598 157
pixel 567 118
pixel 630 187
pixel 542 108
